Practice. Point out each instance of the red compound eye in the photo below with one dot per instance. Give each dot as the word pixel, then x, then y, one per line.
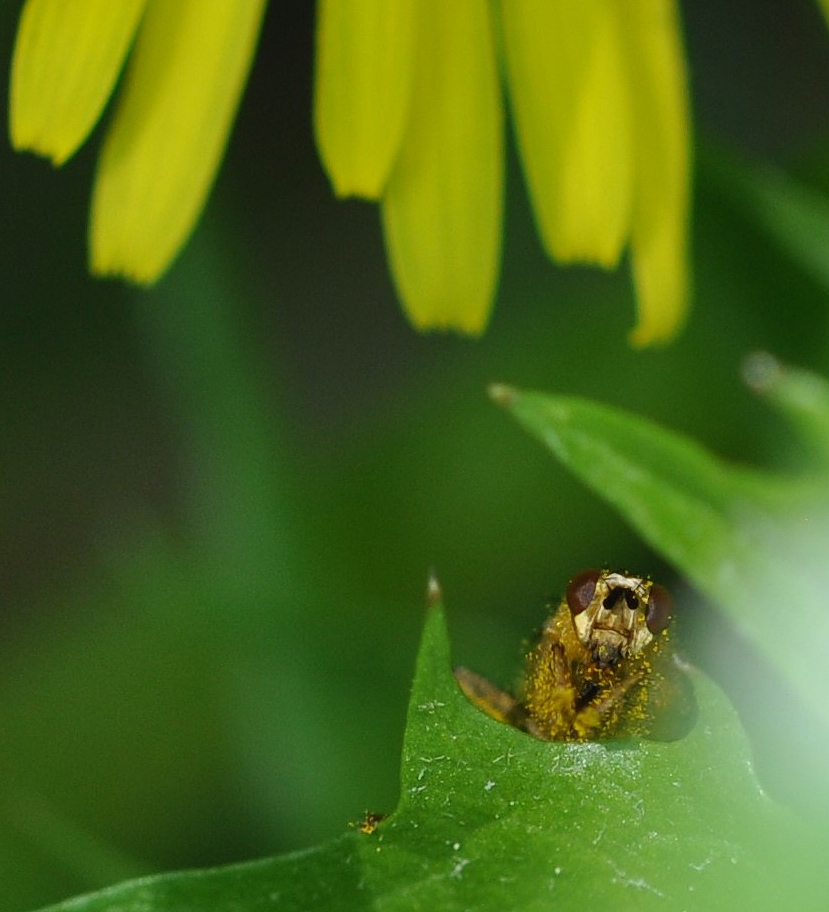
pixel 581 590
pixel 660 608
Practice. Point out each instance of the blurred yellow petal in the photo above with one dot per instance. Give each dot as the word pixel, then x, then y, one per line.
pixel 67 56
pixel 362 89
pixel 659 240
pixel 824 5
pixel 571 101
pixel 443 204
pixel 164 145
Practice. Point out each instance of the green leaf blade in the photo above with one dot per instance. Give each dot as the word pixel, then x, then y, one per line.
pixel 490 818
pixel 673 492
pixel 543 825
pixel 802 396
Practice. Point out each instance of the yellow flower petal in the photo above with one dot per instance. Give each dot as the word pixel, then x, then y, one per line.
pixel 570 96
pixel 362 89
pixel 659 241
pixel 164 145
pixel 443 204
pixel 67 56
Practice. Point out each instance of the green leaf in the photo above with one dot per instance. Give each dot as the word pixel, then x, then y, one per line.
pixel 492 819
pixel 793 214
pixel 752 542
pixel 801 395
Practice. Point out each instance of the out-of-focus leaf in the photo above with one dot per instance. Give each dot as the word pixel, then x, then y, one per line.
pixel 801 395
pixel 490 818
pixel 793 214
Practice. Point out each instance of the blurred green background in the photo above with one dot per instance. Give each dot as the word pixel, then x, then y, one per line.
pixel 221 498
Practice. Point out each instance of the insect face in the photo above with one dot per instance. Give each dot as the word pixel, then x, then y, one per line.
pixel 616 616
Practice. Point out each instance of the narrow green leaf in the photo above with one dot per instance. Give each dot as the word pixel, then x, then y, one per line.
pixel 801 395
pixel 754 543
pixel 491 819
pixel 790 212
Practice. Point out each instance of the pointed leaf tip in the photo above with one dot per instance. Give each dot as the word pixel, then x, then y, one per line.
pixel 434 595
pixel 502 394
pixel 799 394
pixel 760 371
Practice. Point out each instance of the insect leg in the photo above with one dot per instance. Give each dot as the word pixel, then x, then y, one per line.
pixel 496 703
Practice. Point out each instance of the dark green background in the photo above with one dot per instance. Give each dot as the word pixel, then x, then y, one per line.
pixel 221 498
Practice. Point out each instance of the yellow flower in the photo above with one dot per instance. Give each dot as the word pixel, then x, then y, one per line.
pixel 188 61
pixel 408 111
